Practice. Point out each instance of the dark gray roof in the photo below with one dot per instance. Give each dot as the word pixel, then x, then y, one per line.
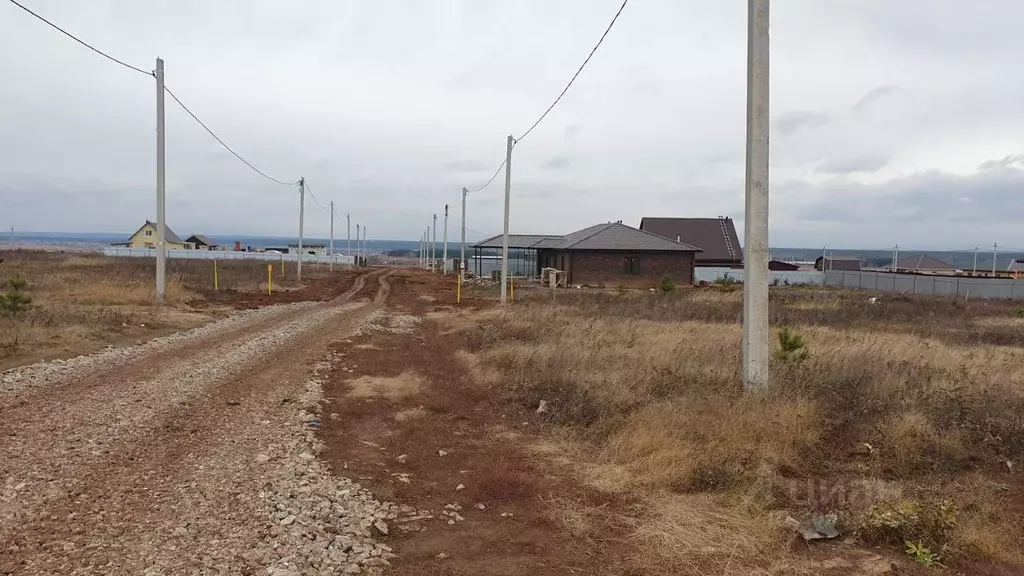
pixel 716 236
pixel 169 235
pixel 922 262
pixel 517 241
pixel 837 263
pixel 618 236
pixel 201 239
pixel 1016 265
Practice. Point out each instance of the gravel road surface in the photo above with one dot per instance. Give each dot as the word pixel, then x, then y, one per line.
pixel 191 454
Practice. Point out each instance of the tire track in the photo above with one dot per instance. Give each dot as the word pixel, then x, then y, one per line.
pixel 58 451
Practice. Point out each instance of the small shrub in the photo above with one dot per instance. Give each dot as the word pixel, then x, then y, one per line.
pixel 791 346
pixel 14 299
pixel 923 555
pixel 667 285
pixel 621 289
pixel 725 280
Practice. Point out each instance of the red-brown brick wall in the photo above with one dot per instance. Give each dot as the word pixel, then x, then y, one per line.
pixel 607 268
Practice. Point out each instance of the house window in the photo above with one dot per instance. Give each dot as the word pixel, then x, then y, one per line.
pixel 632 266
pixel 149 232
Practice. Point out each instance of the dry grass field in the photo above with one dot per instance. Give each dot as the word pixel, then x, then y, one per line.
pixel 84 301
pixel 905 418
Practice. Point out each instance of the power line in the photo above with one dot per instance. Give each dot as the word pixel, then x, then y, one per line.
pixel 489 180
pixel 313 196
pixel 73 37
pixel 226 147
pixel 573 79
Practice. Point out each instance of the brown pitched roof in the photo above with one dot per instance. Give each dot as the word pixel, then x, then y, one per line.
pixel 519 241
pixel 922 262
pixel 618 236
pixel 715 236
pixel 200 239
pixel 608 236
pixel 169 235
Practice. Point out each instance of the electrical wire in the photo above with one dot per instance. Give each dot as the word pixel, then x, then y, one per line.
pixel 560 95
pixel 222 143
pixel 491 179
pixel 573 79
pixel 73 37
pixel 313 196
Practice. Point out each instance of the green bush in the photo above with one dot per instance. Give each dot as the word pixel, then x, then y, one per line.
pixel 14 299
pixel 792 347
pixel 667 285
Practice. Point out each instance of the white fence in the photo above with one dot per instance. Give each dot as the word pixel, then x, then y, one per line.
pixel 125 252
pixel 774 276
pixel 1005 288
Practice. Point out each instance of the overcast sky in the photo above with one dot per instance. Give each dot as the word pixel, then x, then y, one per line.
pixel 892 122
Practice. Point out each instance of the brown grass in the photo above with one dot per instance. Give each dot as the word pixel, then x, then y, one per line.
pixel 894 407
pixel 83 301
pixel 408 383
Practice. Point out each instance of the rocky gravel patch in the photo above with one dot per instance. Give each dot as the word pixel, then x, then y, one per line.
pixel 319 523
pixel 385 322
pixel 56 371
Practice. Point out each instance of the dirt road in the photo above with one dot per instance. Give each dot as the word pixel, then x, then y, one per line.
pixel 192 454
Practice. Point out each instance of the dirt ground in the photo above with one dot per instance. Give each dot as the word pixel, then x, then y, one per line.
pixel 84 302
pixel 169 458
pixel 483 507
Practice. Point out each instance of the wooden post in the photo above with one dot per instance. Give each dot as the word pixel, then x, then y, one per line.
pixel 511 290
pixel 270 279
pixel 458 289
pixel 216 286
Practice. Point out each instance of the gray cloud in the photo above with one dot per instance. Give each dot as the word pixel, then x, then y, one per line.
pixel 465 166
pixel 556 163
pixel 1011 160
pixel 932 197
pixel 792 122
pixel 390 108
pixel 867 163
pixel 873 96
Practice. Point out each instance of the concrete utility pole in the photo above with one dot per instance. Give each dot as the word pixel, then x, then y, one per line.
pixel 995 256
pixel 331 265
pixel 974 271
pixel 756 337
pixel 348 227
pixel 462 256
pixel 444 254
pixel 426 248
pixel 357 245
pixel 433 247
pixel 302 215
pixel 504 237
pixel 895 256
pixel 161 221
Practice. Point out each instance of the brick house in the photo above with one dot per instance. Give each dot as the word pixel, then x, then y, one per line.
pixel 614 254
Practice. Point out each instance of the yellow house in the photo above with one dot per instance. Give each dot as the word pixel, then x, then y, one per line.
pixel 145 237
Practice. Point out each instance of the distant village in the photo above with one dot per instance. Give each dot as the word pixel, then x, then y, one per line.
pixel 145 237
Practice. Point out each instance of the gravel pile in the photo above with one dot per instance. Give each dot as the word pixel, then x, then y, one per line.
pixel 381 321
pixel 54 371
pixel 320 523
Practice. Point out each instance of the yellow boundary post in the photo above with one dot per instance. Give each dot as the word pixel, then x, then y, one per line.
pixel 216 285
pixel 458 289
pixel 270 278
